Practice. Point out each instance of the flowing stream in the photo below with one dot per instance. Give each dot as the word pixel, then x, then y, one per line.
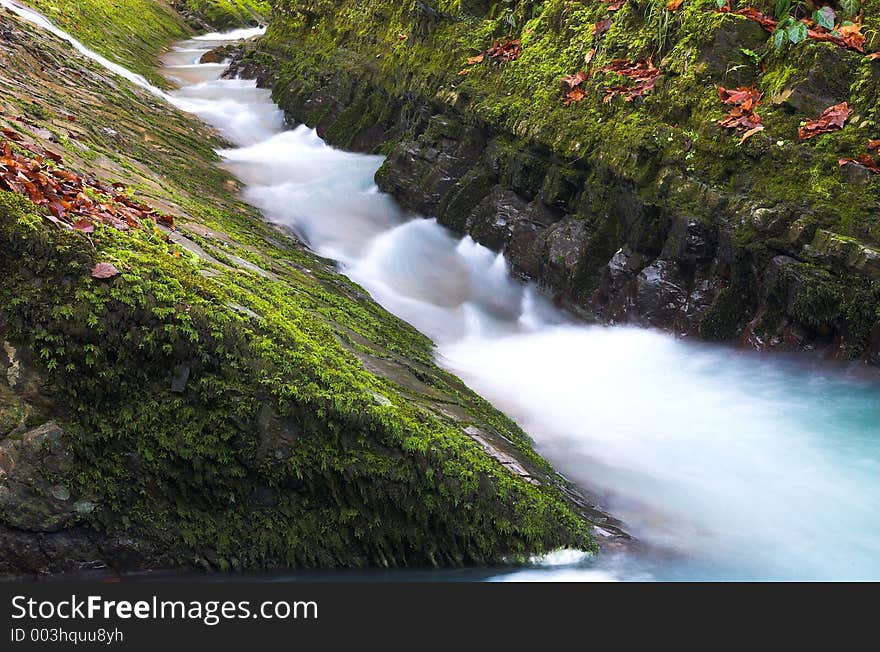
pixel 724 464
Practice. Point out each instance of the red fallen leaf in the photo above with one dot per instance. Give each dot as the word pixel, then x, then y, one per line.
pixel 475 60
pixel 104 270
pixel 509 50
pixel 576 79
pixel 742 116
pixel 865 161
pixel 602 26
pixel 832 119
pixel 52 155
pixel 72 118
pixel 874 56
pixel 575 95
pixel 57 210
pixel 615 5
pixel 853 37
pixel 84 226
pixel 166 219
pixel 873 144
pixel 11 134
pixel 672 5
pixel 643 73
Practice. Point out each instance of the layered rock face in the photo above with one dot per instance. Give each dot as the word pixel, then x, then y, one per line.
pixel 645 211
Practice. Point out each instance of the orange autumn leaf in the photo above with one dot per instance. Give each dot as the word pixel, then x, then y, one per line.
pixel 672 5
pixel 601 27
pixel 865 161
pixel 576 79
pixel 751 132
pixel 832 119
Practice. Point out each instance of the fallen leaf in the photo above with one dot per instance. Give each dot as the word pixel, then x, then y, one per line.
pixel 590 56
pixel 643 73
pixel 873 144
pixel 576 79
pixel 832 119
pixel 616 5
pixel 84 226
pixel 509 50
pixel 477 59
pixel 575 95
pixel 104 270
pixel 865 161
pixel 465 71
pixel 874 56
pixel 674 4
pixel 751 132
pixel 602 26
pixel 742 116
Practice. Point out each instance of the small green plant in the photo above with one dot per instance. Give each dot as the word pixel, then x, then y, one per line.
pixel 791 29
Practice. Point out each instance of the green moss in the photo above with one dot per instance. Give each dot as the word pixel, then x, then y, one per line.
pixel 226 14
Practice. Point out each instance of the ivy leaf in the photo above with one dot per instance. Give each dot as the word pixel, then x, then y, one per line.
pixel 850 7
pixel 779 38
pixel 825 17
pixel 797 33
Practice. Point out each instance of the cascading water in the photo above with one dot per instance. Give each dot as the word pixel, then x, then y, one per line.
pixel 726 465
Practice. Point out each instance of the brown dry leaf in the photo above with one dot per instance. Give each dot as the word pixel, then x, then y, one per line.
pixel 642 72
pixel 509 50
pixel 104 270
pixel 590 56
pixel 463 72
pixel 873 144
pixel 672 5
pixel 744 100
pixel 475 60
pixel 84 226
pixel 865 161
pixel 11 134
pixel 576 79
pixel 616 5
pixel 63 193
pixel 575 95
pixel 832 119
pixel 874 56
pixel 751 132
pixel 602 26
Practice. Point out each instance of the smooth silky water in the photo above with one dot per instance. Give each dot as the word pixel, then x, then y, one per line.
pixel 725 465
